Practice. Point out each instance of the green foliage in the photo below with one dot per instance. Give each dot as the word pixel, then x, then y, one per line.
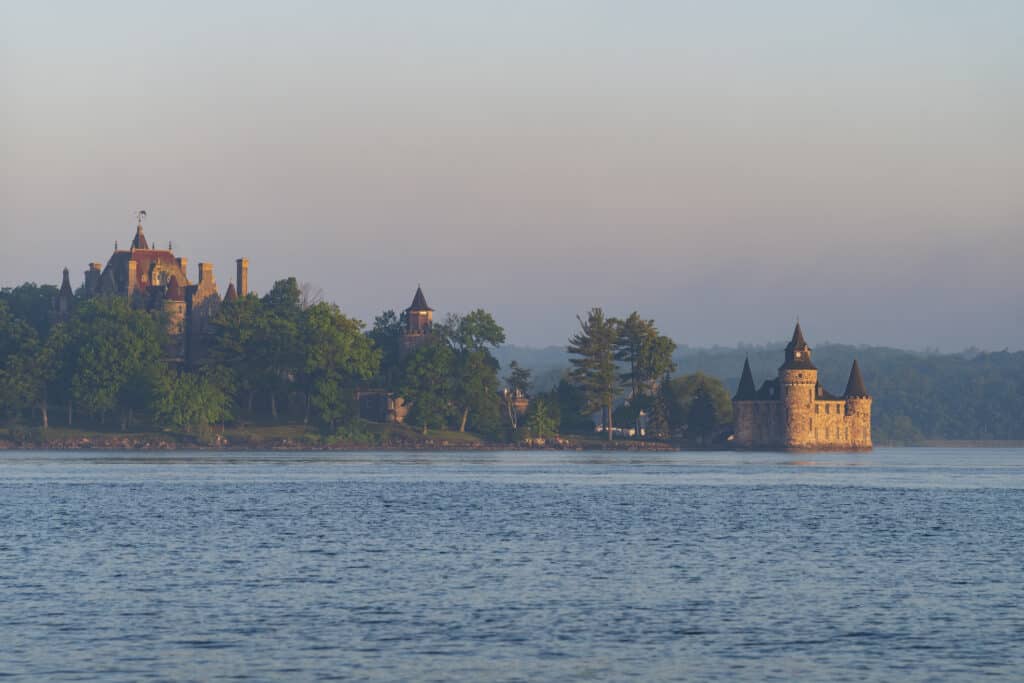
pixel 338 355
pixel 540 423
pixel 190 402
pixel 31 304
pixel 387 337
pixel 116 353
pixel 519 379
pixel 427 385
pixel 698 404
pixel 592 356
pixel 646 354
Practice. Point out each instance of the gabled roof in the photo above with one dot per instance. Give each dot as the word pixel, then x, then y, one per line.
pixel 419 302
pixel 855 385
pixel 174 292
pixel 746 390
pixel 232 293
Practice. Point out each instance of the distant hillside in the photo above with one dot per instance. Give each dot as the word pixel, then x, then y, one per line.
pixel 918 396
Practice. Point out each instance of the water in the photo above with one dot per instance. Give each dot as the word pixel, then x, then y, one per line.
pixel 895 565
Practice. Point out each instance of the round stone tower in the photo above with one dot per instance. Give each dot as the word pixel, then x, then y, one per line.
pixel 858 410
pixel 797 381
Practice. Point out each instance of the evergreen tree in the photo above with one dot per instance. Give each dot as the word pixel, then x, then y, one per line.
pixel 593 363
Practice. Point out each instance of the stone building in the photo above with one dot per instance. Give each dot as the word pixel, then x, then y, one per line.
pixel 157 280
pixel 794 412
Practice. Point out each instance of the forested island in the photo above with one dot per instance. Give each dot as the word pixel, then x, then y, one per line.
pixel 289 370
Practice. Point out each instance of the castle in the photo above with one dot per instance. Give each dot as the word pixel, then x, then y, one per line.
pixel 157 280
pixel 794 412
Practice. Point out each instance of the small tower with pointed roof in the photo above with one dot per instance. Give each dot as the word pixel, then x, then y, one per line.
pixel 858 409
pixel 419 323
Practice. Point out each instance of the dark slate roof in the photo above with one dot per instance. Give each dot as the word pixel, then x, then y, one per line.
pixel 821 394
pixel 140 240
pixel 746 390
pixel 855 386
pixel 797 343
pixel 419 302
pixel 65 285
pixel 232 293
pixel 768 390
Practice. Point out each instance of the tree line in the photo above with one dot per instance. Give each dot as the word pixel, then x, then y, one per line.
pixel 289 357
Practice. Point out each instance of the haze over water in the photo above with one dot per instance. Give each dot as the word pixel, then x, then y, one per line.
pixel 894 565
pixel 722 167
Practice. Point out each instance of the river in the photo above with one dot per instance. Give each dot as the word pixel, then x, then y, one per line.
pixel 901 564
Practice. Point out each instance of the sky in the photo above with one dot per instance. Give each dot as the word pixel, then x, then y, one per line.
pixel 722 168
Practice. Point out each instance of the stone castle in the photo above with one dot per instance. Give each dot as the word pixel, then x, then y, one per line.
pixel 157 280
pixel 794 412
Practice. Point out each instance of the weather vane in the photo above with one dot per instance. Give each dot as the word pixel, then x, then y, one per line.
pixel 140 215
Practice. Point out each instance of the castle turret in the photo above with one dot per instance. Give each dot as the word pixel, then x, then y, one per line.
pixel 92 278
pixel 798 378
pixel 65 298
pixel 743 410
pixel 419 320
pixel 231 294
pixel 858 409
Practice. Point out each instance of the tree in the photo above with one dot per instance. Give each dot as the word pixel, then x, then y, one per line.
pixel 191 402
pixel 539 422
pixel 701 417
pixel 648 357
pixel 338 355
pixel 427 385
pixel 519 379
pixel 387 337
pixel 593 366
pixel 278 343
pixel 472 337
pixel 32 304
pixel 686 391
pixel 116 355
pixel 234 345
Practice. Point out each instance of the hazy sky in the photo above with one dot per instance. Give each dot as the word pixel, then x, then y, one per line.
pixel 723 167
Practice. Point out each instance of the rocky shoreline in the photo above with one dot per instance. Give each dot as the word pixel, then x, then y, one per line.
pixel 220 443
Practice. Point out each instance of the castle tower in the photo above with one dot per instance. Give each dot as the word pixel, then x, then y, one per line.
pixel 419 321
pixel 858 409
pixel 65 298
pixel 140 239
pixel 798 378
pixel 742 409
pixel 242 276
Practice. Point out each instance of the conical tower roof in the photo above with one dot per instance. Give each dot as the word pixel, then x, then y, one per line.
pixel 65 284
pixel 419 302
pixel 231 294
pixel 798 352
pixel 746 391
pixel 140 239
pixel 855 386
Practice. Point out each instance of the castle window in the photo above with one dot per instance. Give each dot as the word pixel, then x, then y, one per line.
pixel 816 409
pixel 827 408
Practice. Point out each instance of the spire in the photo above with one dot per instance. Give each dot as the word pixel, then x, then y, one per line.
pixel 798 353
pixel 798 337
pixel 65 285
pixel 232 293
pixel 419 302
pixel 746 391
pixel 855 386
pixel 140 240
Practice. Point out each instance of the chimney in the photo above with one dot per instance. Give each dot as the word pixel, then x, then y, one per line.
pixel 206 275
pixel 242 266
pixel 133 269
pixel 183 264
pixel 92 278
